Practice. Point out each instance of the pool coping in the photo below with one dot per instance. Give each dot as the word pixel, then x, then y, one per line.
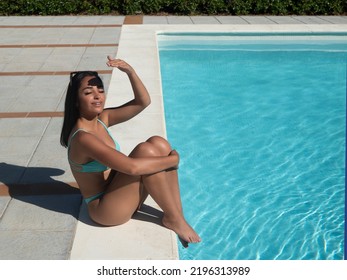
pixel 138 46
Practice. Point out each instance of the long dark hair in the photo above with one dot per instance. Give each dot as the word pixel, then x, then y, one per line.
pixel 71 111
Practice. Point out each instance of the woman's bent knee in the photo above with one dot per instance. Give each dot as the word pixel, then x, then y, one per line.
pixel 145 149
pixel 161 144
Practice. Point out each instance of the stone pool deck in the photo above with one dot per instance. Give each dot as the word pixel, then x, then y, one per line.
pixel 41 212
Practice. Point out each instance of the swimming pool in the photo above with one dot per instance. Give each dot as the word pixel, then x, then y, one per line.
pixel 259 121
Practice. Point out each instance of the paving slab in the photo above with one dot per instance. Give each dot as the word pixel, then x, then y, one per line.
pixel 61 20
pixel 204 20
pixel 258 20
pixel 179 20
pixel 35 245
pixel 283 20
pixel 39 227
pixel 311 19
pixel 155 20
pixel 4 201
pixel 49 163
pixel 231 20
pixel 41 212
pixel 335 19
pixel 18 142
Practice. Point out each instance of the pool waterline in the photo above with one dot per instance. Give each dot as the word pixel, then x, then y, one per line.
pixel 249 124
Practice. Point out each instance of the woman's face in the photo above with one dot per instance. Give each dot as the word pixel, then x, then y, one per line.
pixel 91 97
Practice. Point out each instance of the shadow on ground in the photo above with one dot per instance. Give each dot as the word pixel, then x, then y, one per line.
pixel 36 185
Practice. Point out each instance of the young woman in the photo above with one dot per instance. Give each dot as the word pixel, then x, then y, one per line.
pixel 115 185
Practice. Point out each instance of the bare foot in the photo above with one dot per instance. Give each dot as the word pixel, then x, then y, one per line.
pixel 184 231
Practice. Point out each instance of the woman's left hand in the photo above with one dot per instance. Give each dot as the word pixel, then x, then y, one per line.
pixel 120 64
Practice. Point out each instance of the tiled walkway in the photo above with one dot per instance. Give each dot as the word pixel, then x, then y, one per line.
pixel 40 205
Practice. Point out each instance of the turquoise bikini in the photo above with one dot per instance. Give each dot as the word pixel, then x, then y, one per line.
pixel 91 166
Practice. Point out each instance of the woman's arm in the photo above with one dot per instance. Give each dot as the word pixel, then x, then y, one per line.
pixel 95 149
pixel 141 97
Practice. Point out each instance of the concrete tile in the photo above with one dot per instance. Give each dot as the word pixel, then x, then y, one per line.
pixel 53 129
pixel 13 20
pixel 334 19
pixel 105 35
pixel 17 147
pixel 46 165
pixel 36 20
pixel 14 36
pixel 4 201
pixel 61 62
pixel 10 91
pixel 204 20
pixel 7 55
pixel 155 20
pixel 48 90
pixel 8 101
pixel 33 55
pixel 111 19
pixel 231 20
pixel 18 142
pixel 257 20
pixel 63 20
pixel 88 20
pixel 179 20
pixel 100 52
pixel 36 245
pixel 45 104
pixel 55 83
pixel 77 36
pixel 29 54
pixel 283 19
pixel 49 162
pixel 41 212
pixel 18 127
pixel 20 67
pixel 310 20
pixel 14 81
pixel 49 36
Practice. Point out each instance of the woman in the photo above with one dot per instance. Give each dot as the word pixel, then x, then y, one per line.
pixel 115 185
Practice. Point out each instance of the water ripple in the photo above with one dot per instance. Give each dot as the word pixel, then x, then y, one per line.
pixel 262 156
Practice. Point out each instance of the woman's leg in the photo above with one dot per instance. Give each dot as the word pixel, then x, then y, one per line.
pixel 168 196
pixel 123 196
pixel 172 175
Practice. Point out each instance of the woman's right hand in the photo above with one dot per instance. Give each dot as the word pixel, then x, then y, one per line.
pixel 120 64
pixel 175 153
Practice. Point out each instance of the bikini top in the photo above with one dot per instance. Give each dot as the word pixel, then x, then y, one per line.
pixel 91 166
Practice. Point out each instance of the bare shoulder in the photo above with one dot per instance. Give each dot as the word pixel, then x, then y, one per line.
pixel 85 139
pixel 105 116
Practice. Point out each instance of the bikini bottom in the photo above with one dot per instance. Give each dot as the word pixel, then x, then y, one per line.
pixel 94 197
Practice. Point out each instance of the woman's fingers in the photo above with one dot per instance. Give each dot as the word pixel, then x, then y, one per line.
pixel 118 63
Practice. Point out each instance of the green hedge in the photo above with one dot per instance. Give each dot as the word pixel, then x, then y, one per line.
pixel 179 7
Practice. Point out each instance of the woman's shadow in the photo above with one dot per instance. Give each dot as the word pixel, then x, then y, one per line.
pixel 37 186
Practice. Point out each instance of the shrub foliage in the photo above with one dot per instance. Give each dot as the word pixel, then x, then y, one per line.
pixel 178 7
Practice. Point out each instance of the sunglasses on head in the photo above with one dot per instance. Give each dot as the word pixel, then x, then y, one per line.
pixel 73 74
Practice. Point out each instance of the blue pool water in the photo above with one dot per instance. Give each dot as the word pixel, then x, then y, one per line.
pixel 259 124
